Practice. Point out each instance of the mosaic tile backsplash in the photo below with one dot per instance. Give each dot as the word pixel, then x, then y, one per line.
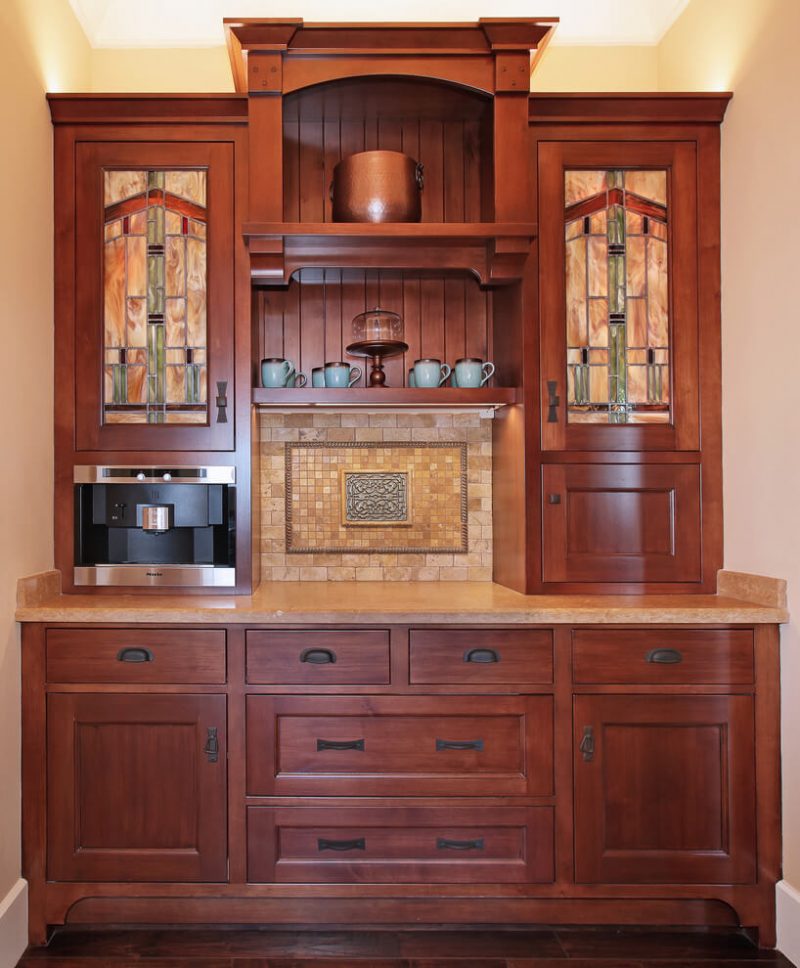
pixel 376 497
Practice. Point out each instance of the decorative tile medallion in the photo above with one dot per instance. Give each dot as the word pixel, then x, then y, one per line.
pixel 394 497
pixel 375 498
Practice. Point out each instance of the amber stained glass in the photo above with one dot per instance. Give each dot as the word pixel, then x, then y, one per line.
pixel 617 284
pixel 154 307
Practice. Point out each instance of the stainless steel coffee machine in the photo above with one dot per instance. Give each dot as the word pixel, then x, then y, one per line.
pixel 163 526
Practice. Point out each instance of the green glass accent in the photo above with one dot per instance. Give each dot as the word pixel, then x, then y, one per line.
pixel 155 179
pixel 616 283
pixel 160 364
pixel 155 225
pixel 616 225
pixel 617 377
pixel 120 384
pixel 193 384
pixel 614 178
pixel 155 283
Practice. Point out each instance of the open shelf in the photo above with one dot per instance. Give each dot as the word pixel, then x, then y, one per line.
pixel 494 252
pixel 386 398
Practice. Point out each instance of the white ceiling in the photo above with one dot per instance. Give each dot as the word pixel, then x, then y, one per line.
pixel 198 23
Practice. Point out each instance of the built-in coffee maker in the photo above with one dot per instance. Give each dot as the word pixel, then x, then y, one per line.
pixel 163 526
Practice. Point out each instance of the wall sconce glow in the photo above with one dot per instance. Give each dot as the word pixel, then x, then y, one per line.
pixel 52 82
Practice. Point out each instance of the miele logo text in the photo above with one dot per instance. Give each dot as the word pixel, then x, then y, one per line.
pixel 155 574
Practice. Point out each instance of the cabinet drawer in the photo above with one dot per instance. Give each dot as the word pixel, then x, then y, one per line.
pixel 645 656
pixel 136 655
pixel 492 656
pixel 319 657
pixel 431 845
pixel 403 746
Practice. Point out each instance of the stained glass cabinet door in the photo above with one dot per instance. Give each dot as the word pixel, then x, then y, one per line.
pixel 618 263
pixel 155 296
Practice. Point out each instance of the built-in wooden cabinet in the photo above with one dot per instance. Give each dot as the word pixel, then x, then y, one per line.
pixel 136 787
pixel 610 774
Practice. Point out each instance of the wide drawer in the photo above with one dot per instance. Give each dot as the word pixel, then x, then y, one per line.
pixel 670 656
pixel 401 746
pixel 489 656
pixel 184 656
pixel 318 657
pixel 431 845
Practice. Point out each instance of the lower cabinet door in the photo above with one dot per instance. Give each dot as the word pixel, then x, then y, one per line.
pixel 136 787
pixel 664 789
pixel 402 844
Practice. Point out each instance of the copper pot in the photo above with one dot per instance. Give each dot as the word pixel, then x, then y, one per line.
pixel 377 186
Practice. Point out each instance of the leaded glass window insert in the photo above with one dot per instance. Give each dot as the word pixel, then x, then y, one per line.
pixel 617 283
pixel 154 289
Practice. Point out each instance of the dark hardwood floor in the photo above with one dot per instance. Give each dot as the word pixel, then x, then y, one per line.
pixel 450 948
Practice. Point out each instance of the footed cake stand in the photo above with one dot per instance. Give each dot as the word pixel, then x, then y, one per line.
pixel 377 350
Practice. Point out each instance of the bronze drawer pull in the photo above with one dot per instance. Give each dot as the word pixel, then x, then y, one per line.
pixel 222 401
pixel 553 401
pixel 344 744
pixel 442 843
pixel 211 749
pixel 318 656
pixel 454 744
pixel 135 654
pixel 358 843
pixel 482 656
pixel 664 656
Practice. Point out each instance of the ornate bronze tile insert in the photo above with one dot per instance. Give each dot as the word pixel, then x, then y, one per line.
pixel 375 498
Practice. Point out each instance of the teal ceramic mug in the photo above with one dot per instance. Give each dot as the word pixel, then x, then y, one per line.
pixel 275 372
pixel 341 374
pixel 430 373
pixel 318 376
pixel 472 372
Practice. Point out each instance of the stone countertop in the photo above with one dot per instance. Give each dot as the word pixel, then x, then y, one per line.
pixel 371 603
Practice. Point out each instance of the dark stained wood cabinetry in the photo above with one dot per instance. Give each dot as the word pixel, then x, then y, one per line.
pixel 605 774
pixel 665 794
pixel 132 796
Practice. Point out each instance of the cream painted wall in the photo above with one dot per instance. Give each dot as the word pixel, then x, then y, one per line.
pixel 204 69
pixel 41 48
pixel 749 46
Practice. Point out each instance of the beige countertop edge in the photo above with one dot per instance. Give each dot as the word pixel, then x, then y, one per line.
pixel 723 611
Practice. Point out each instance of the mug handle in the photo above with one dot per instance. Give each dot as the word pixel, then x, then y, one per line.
pixel 300 380
pixel 445 375
pixel 357 377
pixel 289 369
pixel 489 373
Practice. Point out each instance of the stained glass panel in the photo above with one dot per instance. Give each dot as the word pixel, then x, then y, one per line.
pixel 154 307
pixel 617 283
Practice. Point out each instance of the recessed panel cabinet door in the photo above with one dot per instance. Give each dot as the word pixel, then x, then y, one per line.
pixel 664 790
pixel 136 788
pixel 154 305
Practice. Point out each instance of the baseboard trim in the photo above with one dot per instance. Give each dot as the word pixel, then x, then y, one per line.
pixel 14 924
pixel 787 904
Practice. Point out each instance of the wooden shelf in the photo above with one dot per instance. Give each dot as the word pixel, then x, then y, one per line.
pixel 494 251
pixel 386 398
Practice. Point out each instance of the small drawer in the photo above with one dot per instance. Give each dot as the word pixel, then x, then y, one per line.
pixel 399 745
pixel 318 657
pixel 185 656
pixel 668 656
pixel 490 656
pixel 384 845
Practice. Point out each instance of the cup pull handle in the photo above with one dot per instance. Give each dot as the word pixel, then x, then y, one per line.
pixel 318 656
pixel 357 843
pixel 343 744
pixel 135 654
pixel 482 656
pixel 664 656
pixel 444 843
pixel 454 744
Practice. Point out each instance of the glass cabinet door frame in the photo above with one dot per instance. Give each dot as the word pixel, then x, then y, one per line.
pixel 92 160
pixel 679 159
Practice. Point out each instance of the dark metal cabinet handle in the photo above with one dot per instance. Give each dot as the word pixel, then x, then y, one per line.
pixel 587 744
pixel 211 749
pixel 442 843
pixel 318 656
pixel 553 401
pixel 345 744
pixel 135 654
pixel 664 656
pixel 358 843
pixel 222 401
pixel 454 744
pixel 482 656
